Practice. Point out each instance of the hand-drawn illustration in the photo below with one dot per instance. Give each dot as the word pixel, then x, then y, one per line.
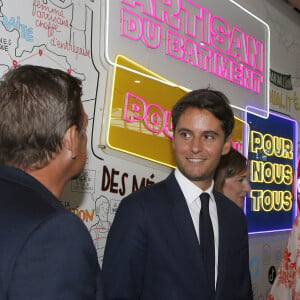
pixel 78 22
pixel 100 230
pixel 1 4
pixel 85 182
pixel 58 34
pixel 47 30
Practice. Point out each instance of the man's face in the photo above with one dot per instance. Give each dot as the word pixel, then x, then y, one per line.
pixel 198 144
pixel 103 212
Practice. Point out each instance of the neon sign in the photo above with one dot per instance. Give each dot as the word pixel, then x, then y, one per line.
pixel 156 119
pixel 208 41
pixel 271 203
pixel 140 114
pixel 215 43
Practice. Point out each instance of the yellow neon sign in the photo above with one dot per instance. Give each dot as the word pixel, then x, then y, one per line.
pixel 140 113
pixel 267 172
pixel 270 172
pixel 269 200
pixel 271 145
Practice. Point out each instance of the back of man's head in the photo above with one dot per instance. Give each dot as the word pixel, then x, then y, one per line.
pixel 37 106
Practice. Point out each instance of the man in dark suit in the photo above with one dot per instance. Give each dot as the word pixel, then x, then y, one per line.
pixel 46 252
pixel 167 244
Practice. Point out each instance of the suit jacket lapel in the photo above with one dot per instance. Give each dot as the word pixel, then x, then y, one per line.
pixel 223 244
pixel 183 223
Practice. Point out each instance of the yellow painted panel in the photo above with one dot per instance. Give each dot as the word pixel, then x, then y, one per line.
pixel 140 113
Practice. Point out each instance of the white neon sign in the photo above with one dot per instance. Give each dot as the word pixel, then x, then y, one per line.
pixel 195 44
pixel 202 31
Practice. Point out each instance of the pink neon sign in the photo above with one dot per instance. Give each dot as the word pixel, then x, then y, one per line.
pixel 156 119
pixel 192 34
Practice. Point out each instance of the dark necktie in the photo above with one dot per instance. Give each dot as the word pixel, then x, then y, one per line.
pixel 207 243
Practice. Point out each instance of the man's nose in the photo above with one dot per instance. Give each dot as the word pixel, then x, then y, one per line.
pixel 196 145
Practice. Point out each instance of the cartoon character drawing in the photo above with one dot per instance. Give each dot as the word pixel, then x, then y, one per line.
pixel 100 230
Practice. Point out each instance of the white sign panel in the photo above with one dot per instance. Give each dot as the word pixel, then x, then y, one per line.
pixel 195 44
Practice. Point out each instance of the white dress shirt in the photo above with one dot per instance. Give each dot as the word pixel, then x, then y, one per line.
pixel 192 193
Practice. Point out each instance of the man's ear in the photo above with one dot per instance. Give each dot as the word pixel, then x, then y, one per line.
pixel 173 142
pixel 70 141
pixel 227 145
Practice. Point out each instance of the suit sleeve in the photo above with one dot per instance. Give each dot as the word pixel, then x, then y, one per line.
pixel 58 261
pixel 244 287
pixel 125 252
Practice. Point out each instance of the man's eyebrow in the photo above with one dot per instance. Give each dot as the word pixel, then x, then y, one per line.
pixel 205 132
pixel 211 132
pixel 184 129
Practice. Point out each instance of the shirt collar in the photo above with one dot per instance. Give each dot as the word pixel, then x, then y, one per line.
pixel 189 189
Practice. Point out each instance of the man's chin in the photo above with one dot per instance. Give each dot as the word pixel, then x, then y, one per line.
pixel 193 177
pixel 197 179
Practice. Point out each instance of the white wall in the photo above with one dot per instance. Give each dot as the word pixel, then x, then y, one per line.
pixel 70 36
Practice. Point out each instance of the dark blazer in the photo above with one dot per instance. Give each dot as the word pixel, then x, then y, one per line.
pixel 152 251
pixel 46 252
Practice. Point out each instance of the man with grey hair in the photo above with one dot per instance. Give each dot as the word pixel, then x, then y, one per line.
pixel 46 252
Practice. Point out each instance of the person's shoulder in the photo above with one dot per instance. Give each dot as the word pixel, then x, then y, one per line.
pixel 64 229
pixel 231 216
pixel 296 224
pixel 64 220
pixel 150 196
pixel 31 198
pixel 27 206
pixel 149 190
pixel 70 242
pixel 228 205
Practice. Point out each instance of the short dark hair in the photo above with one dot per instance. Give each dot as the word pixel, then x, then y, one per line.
pixel 213 101
pixel 231 164
pixel 37 106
